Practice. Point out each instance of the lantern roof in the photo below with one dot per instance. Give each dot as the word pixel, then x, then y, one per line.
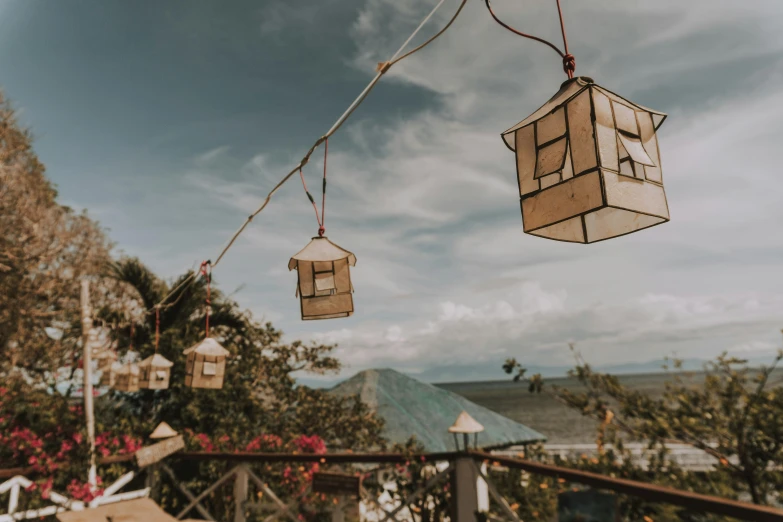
pixel 163 431
pixel 568 90
pixel 321 249
pixel 466 424
pixel 128 368
pixel 156 360
pixel 208 346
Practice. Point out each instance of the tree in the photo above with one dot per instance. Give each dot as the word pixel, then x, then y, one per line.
pixel 735 416
pixel 45 249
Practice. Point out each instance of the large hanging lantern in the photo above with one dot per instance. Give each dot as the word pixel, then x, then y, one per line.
pixel 588 165
pixel 126 378
pixel 324 280
pixel 205 366
pixel 155 371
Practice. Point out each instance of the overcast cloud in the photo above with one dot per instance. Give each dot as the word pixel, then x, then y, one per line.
pixel 422 188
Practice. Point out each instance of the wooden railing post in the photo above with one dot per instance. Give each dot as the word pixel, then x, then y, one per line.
pixel 240 494
pixel 464 481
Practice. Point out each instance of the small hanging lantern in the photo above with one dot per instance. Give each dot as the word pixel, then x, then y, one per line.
pixel 156 369
pixel 588 165
pixel 324 286
pixel 105 359
pixel 154 372
pixel 205 366
pixel 109 374
pixel 127 378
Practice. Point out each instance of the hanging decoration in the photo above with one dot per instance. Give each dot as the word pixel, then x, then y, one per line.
pixel 205 366
pixel 155 369
pixel 588 163
pixel 324 284
pixel 126 378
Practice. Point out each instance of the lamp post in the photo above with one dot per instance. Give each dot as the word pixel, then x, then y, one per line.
pixel 464 476
pixel 86 368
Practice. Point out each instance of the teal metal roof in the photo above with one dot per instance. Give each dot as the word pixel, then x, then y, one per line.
pixel 414 408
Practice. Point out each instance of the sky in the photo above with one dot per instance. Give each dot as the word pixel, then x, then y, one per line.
pixel 170 121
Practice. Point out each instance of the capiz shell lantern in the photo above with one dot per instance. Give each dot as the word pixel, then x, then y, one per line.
pixel 155 371
pixel 205 365
pixel 127 378
pixel 588 165
pixel 324 287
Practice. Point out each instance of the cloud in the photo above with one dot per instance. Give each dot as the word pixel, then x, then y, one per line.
pixel 428 203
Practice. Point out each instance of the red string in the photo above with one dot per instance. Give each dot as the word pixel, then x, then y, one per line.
pixel 320 219
pixel 130 345
pixel 569 62
pixel 315 208
pixel 321 229
pixel 208 277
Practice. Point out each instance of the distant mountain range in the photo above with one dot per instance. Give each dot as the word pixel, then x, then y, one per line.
pixel 492 371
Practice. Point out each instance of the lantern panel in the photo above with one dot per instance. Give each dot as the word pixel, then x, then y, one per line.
pixel 569 230
pixel 605 131
pixel 580 130
pixel 550 127
pixel 324 282
pixel 650 143
pixel 551 158
pixel 306 288
pixel 625 117
pixel 612 222
pixel 633 194
pixel 635 150
pixel 526 160
pixel 322 266
pixel 568 199
pixel 342 277
pixel 338 305
pixel 548 181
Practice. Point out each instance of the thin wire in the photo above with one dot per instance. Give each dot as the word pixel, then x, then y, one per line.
pixel 569 62
pixel 383 68
pixel 310 197
pixel 206 271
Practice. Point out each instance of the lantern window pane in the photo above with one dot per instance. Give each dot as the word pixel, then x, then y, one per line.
pixel 550 127
pixel 568 169
pixel 209 368
pixel 551 158
pixel 626 168
pixel 160 375
pixel 650 144
pixel 635 149
pixel 625 117
pixel 324 282
pixel 526 160
pixel 548 181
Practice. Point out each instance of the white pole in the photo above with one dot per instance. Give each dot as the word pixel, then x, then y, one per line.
pixel 86 365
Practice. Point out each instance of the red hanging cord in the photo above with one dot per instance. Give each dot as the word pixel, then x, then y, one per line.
pixel 320 219
pixel 321 229
pixel 157 327
pixel 130 344
pixel 569 62
pixel 208 276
